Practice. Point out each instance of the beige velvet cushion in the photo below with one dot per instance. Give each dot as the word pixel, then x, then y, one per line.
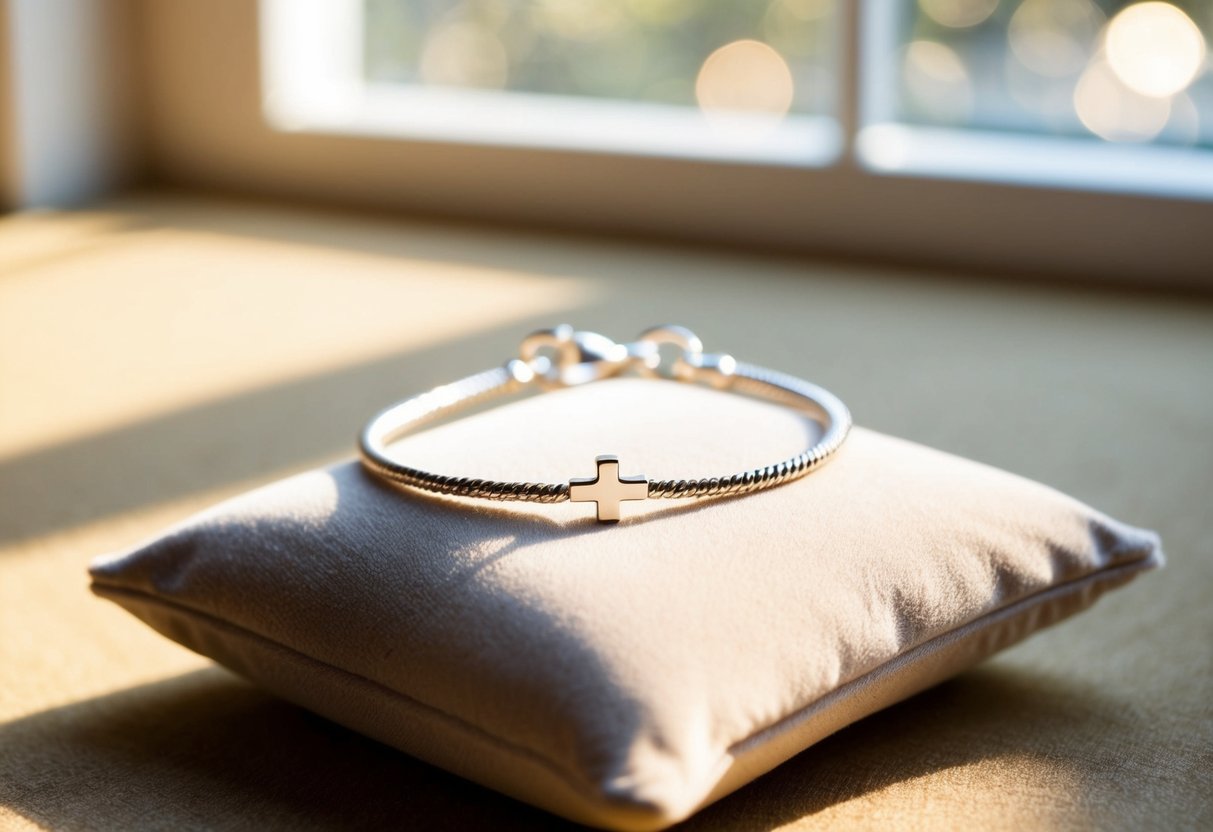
pixel 627 675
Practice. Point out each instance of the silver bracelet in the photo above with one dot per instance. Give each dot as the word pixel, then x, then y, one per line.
pixel 583 357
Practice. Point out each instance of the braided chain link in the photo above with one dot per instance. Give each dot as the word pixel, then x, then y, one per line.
pixel 784 389
pixel 432 406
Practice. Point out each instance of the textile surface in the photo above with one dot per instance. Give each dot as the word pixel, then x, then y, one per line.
pixel 169 352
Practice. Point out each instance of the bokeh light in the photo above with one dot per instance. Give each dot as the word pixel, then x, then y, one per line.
pixel 1155 49
pixel 464 53
pixel 1054 37
pixel 648 51
pixel 937 81
pixel 1122 70
pixel 1119 70
pixel 745 76
pixel 1115 113
pixel 958 14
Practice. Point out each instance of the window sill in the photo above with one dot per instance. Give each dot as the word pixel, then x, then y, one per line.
pixel 1037 161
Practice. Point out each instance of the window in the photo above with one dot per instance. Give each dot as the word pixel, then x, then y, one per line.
pixel 1092 94
pixel 1122 71
pixel 962 88
pixel 745 81
pixel 861 156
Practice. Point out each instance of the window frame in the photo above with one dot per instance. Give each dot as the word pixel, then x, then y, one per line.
pixel 207 127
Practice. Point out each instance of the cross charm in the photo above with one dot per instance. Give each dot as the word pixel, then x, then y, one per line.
pixel 608 489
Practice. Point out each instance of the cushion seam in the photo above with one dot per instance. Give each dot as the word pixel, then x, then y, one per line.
pixel 1008 609
pixel 561 771
pixel 587 790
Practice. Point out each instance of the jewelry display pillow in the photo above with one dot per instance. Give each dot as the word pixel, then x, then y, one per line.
pixel 623 675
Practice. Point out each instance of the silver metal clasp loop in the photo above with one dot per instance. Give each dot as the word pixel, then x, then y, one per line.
pixel 579 357
pixel 692 364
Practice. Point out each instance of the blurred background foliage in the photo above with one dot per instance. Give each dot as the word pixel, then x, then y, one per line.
pixel 1117 70
pixel 634 50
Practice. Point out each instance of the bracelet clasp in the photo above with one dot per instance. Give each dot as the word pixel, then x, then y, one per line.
pixel 580 357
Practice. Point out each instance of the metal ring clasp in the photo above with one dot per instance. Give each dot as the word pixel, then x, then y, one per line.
pixel 581 357
pixel 692 365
